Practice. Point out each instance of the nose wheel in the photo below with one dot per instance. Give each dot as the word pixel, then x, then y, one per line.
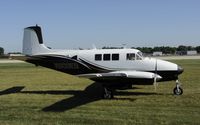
pixel 178 90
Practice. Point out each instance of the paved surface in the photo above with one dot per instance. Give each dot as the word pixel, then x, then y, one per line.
pixel 177 57
pixel 10 61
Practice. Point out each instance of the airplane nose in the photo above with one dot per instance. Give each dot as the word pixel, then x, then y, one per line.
pixel 180 69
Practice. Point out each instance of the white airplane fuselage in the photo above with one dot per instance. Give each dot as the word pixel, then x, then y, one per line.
pixel 113 67
pixel 166 70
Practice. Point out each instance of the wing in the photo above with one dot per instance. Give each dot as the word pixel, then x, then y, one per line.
pixel 123 74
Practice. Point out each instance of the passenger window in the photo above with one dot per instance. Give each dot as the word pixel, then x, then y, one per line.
pixel 98 57
pixel 106 57
pixel 115 56
pixel 130 56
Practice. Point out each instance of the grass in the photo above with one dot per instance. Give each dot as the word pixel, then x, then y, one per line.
pixel 35 95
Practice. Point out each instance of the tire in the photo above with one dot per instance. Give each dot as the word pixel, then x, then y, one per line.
pixel 178 92
pixel 107 93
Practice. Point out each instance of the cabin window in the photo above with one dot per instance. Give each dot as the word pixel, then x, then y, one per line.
pixel 98 57
pixel 115 56
pixel 130 56
pixel 106 57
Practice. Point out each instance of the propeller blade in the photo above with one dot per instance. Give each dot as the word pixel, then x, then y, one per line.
pixel 155 77
pixel 155 82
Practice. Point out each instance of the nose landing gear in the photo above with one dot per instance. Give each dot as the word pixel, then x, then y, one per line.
pixel 178 90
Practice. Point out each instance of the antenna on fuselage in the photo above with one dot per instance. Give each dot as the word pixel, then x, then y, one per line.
pixel 93 46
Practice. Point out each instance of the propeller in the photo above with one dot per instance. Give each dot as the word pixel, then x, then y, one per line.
pixel 155 77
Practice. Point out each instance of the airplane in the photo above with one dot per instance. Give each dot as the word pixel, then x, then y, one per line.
pixel 113 68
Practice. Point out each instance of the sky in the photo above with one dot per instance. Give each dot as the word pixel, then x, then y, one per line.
pixel 72 24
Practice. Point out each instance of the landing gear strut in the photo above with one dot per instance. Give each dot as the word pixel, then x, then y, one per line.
pixel 107 93
pixel 178 90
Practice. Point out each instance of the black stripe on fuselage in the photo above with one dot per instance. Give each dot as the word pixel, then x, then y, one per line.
pixel 97 68
pixel 62 64
pixel 77 66
pixel 65 64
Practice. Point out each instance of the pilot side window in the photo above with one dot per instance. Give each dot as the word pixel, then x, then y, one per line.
pixel 130 56
pixel 115 57
pixel 106 57
pixel 98 57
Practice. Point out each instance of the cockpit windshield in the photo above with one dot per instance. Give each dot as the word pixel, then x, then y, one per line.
pixel 139 55
pixel 134 56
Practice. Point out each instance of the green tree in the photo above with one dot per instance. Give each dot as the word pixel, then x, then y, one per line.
pixel 189 48
pixel 1 51
pixel 145 49
pixel 198 49
pixel 168 50
pixel 182 48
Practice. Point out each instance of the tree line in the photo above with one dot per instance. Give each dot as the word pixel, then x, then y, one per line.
pixel 163 49
pixel 168 49
pixel 1 51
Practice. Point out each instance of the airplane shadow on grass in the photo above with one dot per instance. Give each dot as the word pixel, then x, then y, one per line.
pixel 81 97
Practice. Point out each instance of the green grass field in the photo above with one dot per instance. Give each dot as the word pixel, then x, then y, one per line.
pixel 32 95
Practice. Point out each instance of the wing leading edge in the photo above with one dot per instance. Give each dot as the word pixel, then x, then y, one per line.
pixel 131 75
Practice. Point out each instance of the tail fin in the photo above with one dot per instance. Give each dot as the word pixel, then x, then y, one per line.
pixel 33 41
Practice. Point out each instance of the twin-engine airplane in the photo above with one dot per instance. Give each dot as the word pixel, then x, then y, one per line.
pixel 114 68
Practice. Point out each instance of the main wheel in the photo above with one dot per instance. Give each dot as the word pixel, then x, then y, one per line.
pixel 107 93
pixel 178 91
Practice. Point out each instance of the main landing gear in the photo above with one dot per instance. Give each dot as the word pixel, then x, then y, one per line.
pixel 107 93
pixel 178 90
